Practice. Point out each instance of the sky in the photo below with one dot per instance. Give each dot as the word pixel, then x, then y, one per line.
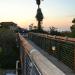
pixel 57 13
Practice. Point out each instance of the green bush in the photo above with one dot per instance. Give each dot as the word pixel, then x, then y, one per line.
pixel 9 53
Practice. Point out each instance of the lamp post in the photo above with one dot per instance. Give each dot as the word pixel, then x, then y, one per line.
pixel 53 49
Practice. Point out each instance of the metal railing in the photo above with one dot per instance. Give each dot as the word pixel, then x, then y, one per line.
pixel 33 62
pixel 63 48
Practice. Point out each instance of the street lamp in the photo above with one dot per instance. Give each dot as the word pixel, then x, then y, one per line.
pixel 53 49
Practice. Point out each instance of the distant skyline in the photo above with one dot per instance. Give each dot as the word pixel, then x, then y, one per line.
pixel 57 13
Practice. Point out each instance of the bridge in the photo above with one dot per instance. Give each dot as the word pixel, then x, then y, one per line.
pixel 42 54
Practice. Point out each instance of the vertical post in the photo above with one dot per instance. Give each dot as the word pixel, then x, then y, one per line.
pixel 53 49
pixel 24 63
pixel 22 59
pixel 74 58
pixel 17 62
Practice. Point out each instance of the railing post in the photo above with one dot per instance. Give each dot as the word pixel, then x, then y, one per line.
pixel 17 67
pixel 22 58
pixel 74 58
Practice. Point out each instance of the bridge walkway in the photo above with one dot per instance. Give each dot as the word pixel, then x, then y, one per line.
pixel 54 60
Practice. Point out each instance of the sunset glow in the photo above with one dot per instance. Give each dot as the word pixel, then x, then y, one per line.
pixel 58 13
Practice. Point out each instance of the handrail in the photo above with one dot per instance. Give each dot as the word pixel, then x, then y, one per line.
pixel 45 66
pixel 61 38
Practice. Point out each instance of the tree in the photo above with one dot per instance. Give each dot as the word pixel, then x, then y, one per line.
pixel 9 53
pixel 31 27
pixel 73 21
pixel 39 17
pixel 53 31
pixel 38 2
pixel 35 27
pixel 73 26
